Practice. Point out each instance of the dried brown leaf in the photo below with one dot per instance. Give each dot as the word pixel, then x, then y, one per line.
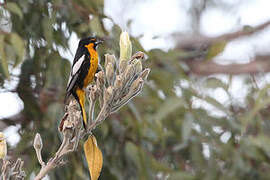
pixel 93 156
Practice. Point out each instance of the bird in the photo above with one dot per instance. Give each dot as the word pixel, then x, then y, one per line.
pixel 83 70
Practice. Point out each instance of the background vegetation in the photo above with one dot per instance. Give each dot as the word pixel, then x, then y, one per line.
pixel 175 129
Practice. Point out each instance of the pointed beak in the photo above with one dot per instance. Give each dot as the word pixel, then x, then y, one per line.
pixel 98 42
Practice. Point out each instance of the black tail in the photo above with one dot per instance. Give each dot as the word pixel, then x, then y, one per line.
pixel 66 97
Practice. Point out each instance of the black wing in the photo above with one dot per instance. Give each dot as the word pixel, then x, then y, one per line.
pixel 75 70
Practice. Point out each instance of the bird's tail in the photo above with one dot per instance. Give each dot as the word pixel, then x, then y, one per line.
pixel 66 97
pixel 80 98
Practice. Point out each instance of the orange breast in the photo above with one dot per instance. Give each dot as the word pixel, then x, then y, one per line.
pixel 93 65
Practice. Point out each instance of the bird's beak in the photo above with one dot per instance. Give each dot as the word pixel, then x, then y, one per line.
pixel 98 42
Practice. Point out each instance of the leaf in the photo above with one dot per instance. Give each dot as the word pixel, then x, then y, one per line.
pixel 187 127
pixel 216 49
pixel 213 102
pixel 47 29
pixel 14 8
pixel 213 83
pixel 131 151
pixel 18 46
pixel 169 106
pixel 180 175
pixel 93 156
pixel 4 63
pixel 96 26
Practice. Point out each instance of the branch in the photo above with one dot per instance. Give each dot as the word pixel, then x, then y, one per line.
pixel 12 170
pixel 260 64
pixel 120 90
pixel 241 33
pixel 117 85
pixel 200 42
pixel 70 131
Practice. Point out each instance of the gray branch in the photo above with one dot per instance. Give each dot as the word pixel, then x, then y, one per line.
pixel 112 90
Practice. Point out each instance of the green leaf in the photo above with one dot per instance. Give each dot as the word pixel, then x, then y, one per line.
pixel 96 26
pixel 18 46
pixel 131 151
pixel 159 166
pixel 261 141
pixel 139 158
pixel 187 127
pixel 169 106
pixel 14 8
pixel 4 63
pixel 215 49
pixel 47 30
pixel 214 103
pixel 215 83
pixel 180 175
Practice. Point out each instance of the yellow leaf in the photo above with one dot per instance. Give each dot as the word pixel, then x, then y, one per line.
pixel 93 156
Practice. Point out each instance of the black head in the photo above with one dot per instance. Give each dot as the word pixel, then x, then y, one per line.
pixel 90 41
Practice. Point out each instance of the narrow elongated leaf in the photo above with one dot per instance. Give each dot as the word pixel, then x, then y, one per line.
pixel 14 8
pixel 96 26
pixel 187 127
pixel 180 175
pixel 214 83
pixel 213 102
pixel 18 46
pixel 131 151
pixel 4 63
pixel 47 30
pixel 93 156
pixel 169 106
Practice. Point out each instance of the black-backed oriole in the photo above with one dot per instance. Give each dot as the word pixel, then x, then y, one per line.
pixel 85 65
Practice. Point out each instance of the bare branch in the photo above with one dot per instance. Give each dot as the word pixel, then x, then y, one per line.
pixel 70 126
pixel 241 33
pixel 260 64
pixel 200 42
pixel 71 133
pixel 12 170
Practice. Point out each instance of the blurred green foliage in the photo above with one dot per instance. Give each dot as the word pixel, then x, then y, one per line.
pixel 161 134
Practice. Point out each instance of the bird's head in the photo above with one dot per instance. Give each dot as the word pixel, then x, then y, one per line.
pixel 90 42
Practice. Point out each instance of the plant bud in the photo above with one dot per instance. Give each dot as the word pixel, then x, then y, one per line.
pixel 108 95
pixel 100 80
pixel 137 65
pixel 3 146
pixel 138 55
pixel 118 82
pixel 109 58
pixel 110 73
pixel 136 85
pixel 125 50
pixel 38 142
pixel 129 72
pixel 145 74
pixel 93 93
pixel 18 164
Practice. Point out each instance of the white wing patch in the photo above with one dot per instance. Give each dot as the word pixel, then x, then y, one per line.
pixel 77 65
pixel 69 79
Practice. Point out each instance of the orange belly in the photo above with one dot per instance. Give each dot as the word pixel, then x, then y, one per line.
pixel 93 67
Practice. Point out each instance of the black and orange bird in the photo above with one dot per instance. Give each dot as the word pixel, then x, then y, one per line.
pixel 84 67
